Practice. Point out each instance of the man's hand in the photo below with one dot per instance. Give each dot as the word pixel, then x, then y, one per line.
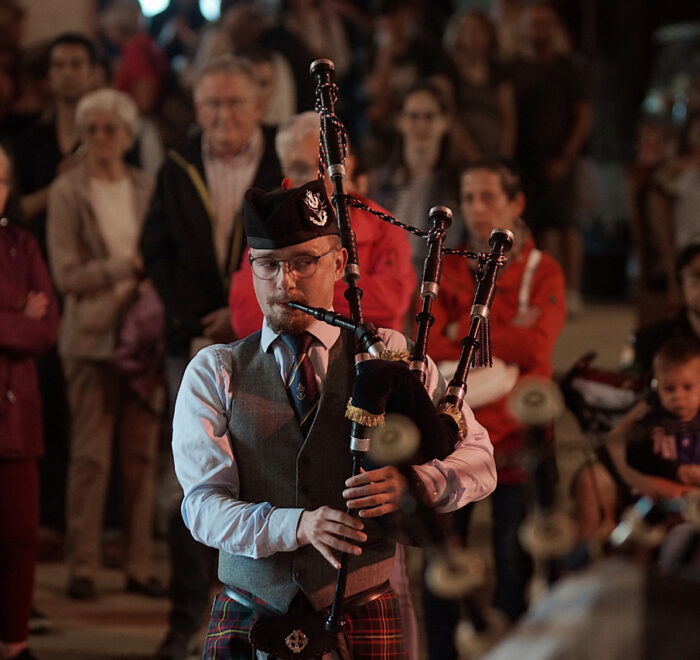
pixel 376 492
pixel 36 305
pixel 326 529
pixel 217 326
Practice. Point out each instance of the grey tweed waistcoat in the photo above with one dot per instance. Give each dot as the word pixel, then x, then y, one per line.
pixel 277 465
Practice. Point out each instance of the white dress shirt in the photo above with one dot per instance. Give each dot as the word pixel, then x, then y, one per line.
pixel 207 470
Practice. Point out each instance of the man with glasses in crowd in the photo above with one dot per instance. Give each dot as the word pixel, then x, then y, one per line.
pixel 191 243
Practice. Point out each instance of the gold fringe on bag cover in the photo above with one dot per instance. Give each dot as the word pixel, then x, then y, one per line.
pixel 452 411
pixel 355 414
pixel 395 356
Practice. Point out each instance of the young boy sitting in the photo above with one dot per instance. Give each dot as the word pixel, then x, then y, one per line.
pixel 654 449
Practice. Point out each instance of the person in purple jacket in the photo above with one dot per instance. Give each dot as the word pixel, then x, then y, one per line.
pixel 29 322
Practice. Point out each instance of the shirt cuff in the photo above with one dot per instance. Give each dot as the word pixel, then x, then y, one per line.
pixel 284 522
pixel 434 482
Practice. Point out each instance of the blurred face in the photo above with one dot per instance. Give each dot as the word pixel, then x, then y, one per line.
pixel 4 180
pixel 106 138
pixel 265 77
pixel 422 121
pixel 678 388
pixel 539 26
pixel 690 285
pixel 485 205
pixel 70 72
pixel 472 37
pixel 316 290
pixel 301 163
pixel 228 109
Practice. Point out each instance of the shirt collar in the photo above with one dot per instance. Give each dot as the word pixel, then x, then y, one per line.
pixel 249 150
pixel 322 332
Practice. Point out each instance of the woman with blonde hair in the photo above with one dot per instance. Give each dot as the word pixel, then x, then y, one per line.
pixel 95 213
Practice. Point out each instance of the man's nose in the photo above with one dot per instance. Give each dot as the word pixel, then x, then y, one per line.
pixel 285 276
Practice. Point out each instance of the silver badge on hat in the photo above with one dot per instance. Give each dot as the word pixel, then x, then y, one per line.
pixel 317 214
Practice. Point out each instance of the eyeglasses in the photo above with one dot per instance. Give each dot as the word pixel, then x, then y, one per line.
pixel 218 104
pixel 110 130
pixel 302 266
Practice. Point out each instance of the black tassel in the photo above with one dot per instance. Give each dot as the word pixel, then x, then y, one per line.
pixel 482 353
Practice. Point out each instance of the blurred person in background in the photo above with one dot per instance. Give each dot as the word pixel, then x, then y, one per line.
pixel 142 71
pixel 95 213
pixel 526 317
pixel 685 323
pixel 401 55
pixel 275 82
pixel 192 241
pixel 29 321
pixel 383 251
pixel 420 173
pixel 485 116
pixel 51 147
pixel 554 122
pixel 650 207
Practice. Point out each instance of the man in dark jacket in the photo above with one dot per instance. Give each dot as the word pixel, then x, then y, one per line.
pixel 191 243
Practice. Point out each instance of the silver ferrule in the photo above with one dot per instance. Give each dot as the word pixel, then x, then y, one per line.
pixel 336 169
pixel 361 357
pixel 457 391
pixel 352 270
pixel 479 310
pixel 359 444
pixel 429 289
pixel 376 349
pixel 419 366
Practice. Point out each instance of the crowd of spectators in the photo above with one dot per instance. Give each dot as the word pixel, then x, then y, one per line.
pixel 131 154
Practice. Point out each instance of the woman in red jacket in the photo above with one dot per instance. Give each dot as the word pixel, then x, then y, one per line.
pixel 527 315
pixel 28 326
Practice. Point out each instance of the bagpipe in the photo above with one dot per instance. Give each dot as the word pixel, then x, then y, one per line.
pixel 394 421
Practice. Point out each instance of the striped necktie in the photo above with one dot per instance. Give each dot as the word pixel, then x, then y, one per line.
pixel 301 385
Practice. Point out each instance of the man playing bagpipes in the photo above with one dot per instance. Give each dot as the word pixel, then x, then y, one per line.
pixel 260 441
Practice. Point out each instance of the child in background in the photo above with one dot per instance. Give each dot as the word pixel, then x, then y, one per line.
pixel 654 449
pixel 656 446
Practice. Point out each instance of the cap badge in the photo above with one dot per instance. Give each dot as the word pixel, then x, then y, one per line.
pixel 314 203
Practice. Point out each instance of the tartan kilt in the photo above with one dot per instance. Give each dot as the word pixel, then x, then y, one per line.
pixel 373 630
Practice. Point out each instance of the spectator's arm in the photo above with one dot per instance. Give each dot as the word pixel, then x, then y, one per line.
pixel 155 244
pixel 524 345
pixel 509 119
pixel 73 272
pixel 19 332
pixel 580 130
pixel 616 443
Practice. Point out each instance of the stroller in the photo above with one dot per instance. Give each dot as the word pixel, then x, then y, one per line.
pixel 598 398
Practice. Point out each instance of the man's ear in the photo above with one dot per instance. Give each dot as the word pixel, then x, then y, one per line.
pixel 341 258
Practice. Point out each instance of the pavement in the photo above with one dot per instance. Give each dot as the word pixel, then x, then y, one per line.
pixel 121 626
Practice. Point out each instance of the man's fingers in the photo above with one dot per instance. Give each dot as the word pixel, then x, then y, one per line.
pixel 327 554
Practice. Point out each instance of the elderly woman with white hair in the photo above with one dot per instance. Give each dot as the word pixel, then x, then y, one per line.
pixel 95 212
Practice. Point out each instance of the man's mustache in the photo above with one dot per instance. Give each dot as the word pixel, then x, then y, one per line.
pixel 281 299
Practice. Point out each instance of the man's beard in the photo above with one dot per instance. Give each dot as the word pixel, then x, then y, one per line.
pixel 288 322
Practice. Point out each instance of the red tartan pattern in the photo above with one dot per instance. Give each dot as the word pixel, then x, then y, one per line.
pixel 373 631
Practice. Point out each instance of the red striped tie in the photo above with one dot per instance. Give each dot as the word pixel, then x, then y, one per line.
pixel 301 385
